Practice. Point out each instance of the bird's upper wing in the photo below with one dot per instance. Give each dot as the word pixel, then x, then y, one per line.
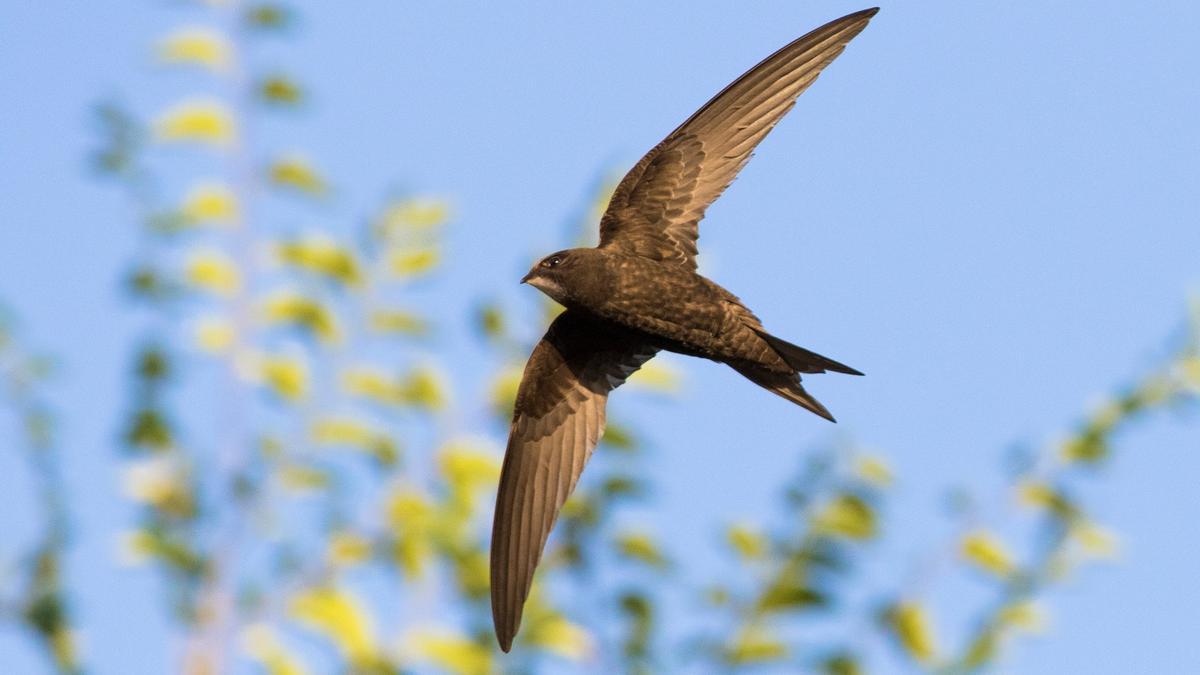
pixel 656 209
pixel 557 421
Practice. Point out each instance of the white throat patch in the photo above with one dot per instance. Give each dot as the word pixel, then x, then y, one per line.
pixel 549 287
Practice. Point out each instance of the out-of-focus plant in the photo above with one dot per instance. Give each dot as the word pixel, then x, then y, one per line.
pixel 291 441
pixel 313 502
pixel 1055 530
pixel 33 593
pixel 802 581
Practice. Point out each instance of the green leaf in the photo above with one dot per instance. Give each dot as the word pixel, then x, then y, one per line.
pixel 619 437
pixel 489 320
pixel 268 16
pixel 280 90
pixel 787 596
pixel 619 486
pixel 642 548
pixel 148 430
pixel 841 664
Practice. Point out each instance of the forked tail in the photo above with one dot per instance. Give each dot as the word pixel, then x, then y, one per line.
pixel 803 360
pixel 785 385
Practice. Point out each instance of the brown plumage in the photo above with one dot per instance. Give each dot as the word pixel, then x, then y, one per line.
pixel 637 293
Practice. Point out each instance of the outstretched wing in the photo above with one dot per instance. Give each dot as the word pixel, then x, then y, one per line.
pixel 656 209
pixel 557 421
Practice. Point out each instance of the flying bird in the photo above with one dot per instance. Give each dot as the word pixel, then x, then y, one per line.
pixel 638 292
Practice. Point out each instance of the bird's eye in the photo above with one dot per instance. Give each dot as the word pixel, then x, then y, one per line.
pixel 552 261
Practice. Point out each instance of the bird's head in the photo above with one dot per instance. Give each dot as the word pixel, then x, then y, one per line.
pixel 556 274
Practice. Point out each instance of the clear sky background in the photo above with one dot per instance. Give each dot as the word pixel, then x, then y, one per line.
pixel 993 209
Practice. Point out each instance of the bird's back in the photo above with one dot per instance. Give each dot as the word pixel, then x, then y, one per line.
pixel 685 312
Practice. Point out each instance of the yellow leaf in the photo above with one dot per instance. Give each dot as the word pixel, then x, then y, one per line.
pixel 1096 541
pixel 209 203
pixel 449 650
pixel 321 255
pixel 135 548
pixel 63 643
pixel 410 518
pixel 213 271
pixel 342 431
pixel 467 465
pixel 913 629
pixel 755 645
pixel 422 387
pixel 1026 615
pixel 302 312
pixel 348 548
pixel 1189 369
pixel 504 390
pixel 846 516
pixel 642 547
pixel 370 383
pixel 1156 390
pixel 356 434
pixel 473 573
pixel 161 482
pixel 200 120
pixel 420 213
pixel 195 46
pixel 286 376
pixel 559 636
pixel 214 334
pixel 412 263
pixel 300 478
pixel 341 618
pixel 873 470
pixel 747 541
pixel 1036 494
pixel 263 645
pixel 297 173
pixel 397 321
pixel 985 551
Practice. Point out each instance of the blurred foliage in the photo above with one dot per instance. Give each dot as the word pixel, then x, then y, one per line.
pixel 291 441
pixel 312 500
pixel 34 593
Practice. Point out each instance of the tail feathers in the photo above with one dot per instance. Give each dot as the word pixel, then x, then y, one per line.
pixel 787 386
pixel 803 360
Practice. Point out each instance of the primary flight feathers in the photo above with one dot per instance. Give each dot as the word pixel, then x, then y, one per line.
pixel 656 209
pixel 637 293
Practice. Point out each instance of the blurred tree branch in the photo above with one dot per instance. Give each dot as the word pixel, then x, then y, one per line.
pixel 40 602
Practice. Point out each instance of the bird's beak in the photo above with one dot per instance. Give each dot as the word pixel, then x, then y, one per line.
pixel 525 279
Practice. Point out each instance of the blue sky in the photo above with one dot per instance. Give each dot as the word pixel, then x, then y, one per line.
pixel 991 209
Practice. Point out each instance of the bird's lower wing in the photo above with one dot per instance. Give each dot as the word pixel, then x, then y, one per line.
pixel 557 421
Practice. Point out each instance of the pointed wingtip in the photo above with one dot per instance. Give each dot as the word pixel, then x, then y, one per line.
pixel 502 620
pixel 504 636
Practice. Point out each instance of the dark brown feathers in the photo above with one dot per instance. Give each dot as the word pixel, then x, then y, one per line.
pixel 656 209
pixel 637 293
pixel 557 421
